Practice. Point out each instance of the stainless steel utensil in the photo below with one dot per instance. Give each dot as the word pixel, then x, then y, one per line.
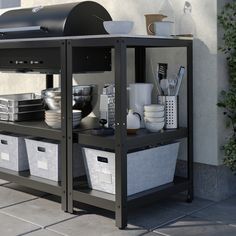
pixel 22 99
pixel 180 78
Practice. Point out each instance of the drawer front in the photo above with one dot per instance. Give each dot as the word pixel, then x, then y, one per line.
pixel 30 59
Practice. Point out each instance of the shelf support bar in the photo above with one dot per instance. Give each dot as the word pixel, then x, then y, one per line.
pixel 69 128
pixel 121 133
pixel 140 64
pixel 64 127
pixel 190 119
pixel 49 81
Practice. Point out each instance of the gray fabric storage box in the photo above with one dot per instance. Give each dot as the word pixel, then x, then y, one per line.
pixel 45 159
pixel 13 154
pixel 146 169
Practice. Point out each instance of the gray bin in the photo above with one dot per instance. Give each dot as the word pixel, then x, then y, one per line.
pixel 13 154
pixel 45 159
pixel 146 169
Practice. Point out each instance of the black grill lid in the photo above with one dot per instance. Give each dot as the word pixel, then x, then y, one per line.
pixel 81 18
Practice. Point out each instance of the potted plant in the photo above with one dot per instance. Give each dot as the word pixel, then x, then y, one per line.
pixel 227 101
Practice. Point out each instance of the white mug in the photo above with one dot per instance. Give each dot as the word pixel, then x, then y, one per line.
pixel 162 28
pixel 140 95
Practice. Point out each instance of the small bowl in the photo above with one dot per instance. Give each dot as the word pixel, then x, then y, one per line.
pixel 118 27
pixel 154 108
pixel 154 120
pixel 154 127
pixel 154 114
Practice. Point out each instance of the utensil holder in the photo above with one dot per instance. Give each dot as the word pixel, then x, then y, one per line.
pixel 171 110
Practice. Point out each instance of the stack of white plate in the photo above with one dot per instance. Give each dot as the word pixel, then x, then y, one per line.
pixel 53 118
pixel 154 117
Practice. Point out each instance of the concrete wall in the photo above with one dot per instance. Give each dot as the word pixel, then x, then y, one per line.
pixel 206 62
pixel 11 3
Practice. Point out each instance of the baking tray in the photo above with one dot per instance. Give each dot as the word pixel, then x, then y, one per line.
pixel 28 108
pixel 23 116
pixel 22 99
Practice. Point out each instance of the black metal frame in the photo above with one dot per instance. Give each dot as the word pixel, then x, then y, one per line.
pixel 120 143
pixel 39 128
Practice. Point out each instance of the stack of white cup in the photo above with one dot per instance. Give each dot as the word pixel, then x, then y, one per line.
pixel 154 117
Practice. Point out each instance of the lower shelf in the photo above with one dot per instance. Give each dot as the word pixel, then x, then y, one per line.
pixel 25 179
pixel 107 201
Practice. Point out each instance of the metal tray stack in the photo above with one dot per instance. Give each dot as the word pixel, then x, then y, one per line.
pixel 21 107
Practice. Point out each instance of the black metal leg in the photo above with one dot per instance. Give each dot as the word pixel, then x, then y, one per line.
pixel 69 130
pixel 63 114
pixel 49 81
pixel 121 133
pixel 140 64
pixel 190 120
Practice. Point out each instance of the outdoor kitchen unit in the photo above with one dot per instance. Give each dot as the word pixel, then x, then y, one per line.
pixel 72 19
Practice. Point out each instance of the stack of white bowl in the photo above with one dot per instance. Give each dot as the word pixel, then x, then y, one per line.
pixel 53 118
pixel 154 117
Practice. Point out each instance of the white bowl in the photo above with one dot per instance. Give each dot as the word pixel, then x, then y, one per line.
pixel 154 114
pixel 154 127
pixel 55 125
pixel 154 120
pixel 118 27
pixel 154 108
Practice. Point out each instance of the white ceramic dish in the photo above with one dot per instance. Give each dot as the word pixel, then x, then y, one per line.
pixel 154 120
pixel 153 114
pixel 154 127
pixel 154 108
pixel 118 27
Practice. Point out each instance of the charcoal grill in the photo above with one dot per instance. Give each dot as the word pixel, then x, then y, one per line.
pixel 63 20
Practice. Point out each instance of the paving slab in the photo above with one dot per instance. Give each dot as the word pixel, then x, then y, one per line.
pixel 178 202
pixel 40 211
pixel 43 232
pixel 152 234
pixel 94 225
pixel 153 216
pixel 194 226
pixel 10 226
pixel 10 197
pixel 3 182
pixel 25 189
pixel 223 212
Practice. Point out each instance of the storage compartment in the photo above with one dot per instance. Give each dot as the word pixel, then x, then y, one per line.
pixel 13 154
pixel 45 159
pixel 146 169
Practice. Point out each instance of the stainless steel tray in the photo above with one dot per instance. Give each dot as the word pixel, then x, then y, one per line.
pixel 18 100
pixel 23 116
pixel 27 108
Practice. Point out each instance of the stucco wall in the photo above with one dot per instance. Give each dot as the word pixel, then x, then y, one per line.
pixel 205 66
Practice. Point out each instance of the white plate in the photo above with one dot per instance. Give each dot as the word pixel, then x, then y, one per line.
pixel 77 112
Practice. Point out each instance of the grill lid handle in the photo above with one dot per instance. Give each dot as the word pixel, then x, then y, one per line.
pixel 3 31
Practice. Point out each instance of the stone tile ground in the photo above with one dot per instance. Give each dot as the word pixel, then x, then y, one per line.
pixel 32 213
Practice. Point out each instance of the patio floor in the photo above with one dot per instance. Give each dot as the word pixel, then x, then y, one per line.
pixel 32 213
